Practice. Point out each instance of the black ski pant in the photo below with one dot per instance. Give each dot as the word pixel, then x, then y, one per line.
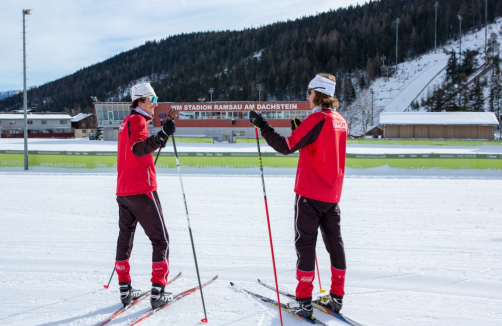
pixel 310 215
pixel 145 209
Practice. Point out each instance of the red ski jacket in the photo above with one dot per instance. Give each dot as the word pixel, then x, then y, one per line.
pixel 136 171
pixel 322 140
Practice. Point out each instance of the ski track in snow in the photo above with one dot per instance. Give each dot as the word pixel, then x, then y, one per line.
pixel 420 249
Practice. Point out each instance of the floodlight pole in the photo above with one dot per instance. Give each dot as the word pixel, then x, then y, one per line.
pixel 460 26
pixel 435 26
pixel 25 98
pixel 397 33
pixel 258 87
pixel 486 25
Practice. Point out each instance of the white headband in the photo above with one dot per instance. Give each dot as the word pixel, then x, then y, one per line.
pixel 323 85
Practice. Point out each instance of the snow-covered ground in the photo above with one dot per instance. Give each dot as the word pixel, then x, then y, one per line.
pixel 423 248
pixel 85 145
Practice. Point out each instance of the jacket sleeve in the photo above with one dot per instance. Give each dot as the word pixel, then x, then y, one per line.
pixel 305 134
pixel 141 144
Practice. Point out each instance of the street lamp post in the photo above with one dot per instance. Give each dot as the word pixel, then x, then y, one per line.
pixel 211 91
pixel 397 33
pixel 435 26
pixel 25 98
pixel 460 25
pixel 258 87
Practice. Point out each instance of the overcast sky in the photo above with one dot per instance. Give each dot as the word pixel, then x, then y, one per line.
pixel 64 36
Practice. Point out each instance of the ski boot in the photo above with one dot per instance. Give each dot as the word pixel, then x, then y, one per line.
pixel 332 302
pixel 303 308
pixel 128 294
pixel 158 297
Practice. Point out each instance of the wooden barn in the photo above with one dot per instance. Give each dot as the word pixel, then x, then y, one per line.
pixel 439 125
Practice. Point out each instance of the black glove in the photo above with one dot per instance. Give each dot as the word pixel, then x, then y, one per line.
pixel 257 119
pixel 295 123
pixel 169 127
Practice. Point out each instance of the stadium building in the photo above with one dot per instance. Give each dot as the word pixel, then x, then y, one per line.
pixel 221 121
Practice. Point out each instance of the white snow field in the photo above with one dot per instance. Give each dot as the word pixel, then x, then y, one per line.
pixel 421 249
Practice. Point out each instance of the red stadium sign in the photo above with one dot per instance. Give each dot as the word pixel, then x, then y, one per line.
pixel 239 106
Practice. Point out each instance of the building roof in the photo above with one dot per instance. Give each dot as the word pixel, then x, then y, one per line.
pixel 438 118
pixel 80 117
pixel 34 116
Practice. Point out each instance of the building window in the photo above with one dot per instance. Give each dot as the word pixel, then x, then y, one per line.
pixel 44 122
pixel 187 115
pixel 30 122
pixel 12 122
pixel 63 122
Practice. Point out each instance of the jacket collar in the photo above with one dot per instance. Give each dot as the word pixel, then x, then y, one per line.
pixel 319 109
pixel 143 113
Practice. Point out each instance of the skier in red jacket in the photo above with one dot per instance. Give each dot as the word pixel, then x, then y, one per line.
pixel 321 140
pixel 137 194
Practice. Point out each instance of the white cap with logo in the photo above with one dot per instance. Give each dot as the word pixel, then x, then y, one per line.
pixel 142 90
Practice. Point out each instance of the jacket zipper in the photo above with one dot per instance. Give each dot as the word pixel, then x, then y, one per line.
pixel 148 172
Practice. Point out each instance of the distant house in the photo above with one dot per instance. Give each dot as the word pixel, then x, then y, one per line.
pixel 40 125
pixel 375 132
pixel 83 124
pixel 439 125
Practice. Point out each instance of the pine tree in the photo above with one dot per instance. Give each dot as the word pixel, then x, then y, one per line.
pixel 469 61
pixel 437 100
pixel 451 104
pixel 495 95
pixel 477 100
pixel 452 69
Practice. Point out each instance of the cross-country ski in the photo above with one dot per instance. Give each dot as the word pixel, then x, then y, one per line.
pixel 318 304
pixel 310 320
pixel 133 303
pixel 177 297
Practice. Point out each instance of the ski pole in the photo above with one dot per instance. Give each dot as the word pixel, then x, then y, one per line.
pixel 188 221
pixel 155 163
pixel 319 276
pixel 107 286
pixel 268 221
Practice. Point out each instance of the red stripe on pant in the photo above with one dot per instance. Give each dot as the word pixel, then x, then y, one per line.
pixel 305 286
pixel 122 268
pixel 160 271
pixel 337 282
